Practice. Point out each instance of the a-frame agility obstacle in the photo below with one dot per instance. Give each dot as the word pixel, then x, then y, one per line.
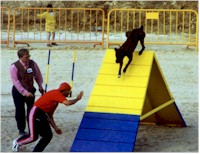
pixel 117 105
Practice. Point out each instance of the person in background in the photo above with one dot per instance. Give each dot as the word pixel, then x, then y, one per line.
pixel 41 117
pixel 50 24
pixel 23 72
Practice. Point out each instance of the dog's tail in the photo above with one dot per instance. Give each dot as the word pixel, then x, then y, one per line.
pixel 141 27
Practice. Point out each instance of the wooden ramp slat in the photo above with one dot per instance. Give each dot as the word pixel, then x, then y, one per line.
pixel 98 146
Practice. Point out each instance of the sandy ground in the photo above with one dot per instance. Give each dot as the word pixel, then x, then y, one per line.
pixel 179 65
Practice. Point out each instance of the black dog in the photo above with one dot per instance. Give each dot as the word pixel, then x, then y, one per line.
pixel 129 46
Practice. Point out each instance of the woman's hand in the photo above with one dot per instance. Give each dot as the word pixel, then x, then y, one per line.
pixel 29 94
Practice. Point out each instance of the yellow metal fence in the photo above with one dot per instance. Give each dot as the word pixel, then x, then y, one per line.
pixel 5 26
pixel 73 25
pixel 87 26
pixel 175 27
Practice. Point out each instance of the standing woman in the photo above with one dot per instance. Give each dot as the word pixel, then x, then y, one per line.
pixel 50 24
pixel 23 73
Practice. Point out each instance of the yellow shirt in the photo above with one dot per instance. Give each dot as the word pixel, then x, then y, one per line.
pixel 50 20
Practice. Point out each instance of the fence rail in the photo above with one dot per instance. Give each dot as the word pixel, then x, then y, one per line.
pixel 174 27
pixel 5 26
pixel 74 25
pixel 87 26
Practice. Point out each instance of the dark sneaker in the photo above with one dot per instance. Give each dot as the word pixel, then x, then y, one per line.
pixel 16 146
pixel 54 44
pixel 49 45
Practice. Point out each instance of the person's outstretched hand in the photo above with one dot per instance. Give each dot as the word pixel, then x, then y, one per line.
pixel 80 95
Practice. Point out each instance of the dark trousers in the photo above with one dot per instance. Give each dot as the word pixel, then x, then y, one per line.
pixel 20 101
pixel 39 125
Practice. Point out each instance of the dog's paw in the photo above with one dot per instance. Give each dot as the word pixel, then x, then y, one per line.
pixel 124 71
pixel 140 53
pixel 119 75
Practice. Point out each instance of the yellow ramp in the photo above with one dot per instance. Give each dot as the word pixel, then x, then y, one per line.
pixel 142 90
pixel 125 94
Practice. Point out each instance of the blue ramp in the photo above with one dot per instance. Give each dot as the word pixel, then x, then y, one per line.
pixel 105 132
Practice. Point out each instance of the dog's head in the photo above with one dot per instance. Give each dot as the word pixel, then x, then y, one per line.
pixel 119 55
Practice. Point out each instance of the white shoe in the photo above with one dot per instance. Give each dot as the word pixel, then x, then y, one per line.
pixel 16 146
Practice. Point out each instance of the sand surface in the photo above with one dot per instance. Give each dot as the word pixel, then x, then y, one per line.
pixel 179 65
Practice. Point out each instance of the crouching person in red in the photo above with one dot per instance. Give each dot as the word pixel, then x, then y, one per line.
pixel 41 117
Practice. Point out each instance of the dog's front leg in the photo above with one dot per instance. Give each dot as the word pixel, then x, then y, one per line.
pixel 129 61
pixel 120 68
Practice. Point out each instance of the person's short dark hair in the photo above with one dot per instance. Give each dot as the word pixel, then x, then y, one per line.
pixel 49 6
pixel 22 52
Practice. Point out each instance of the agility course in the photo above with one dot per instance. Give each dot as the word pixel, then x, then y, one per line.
pixel 117 106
